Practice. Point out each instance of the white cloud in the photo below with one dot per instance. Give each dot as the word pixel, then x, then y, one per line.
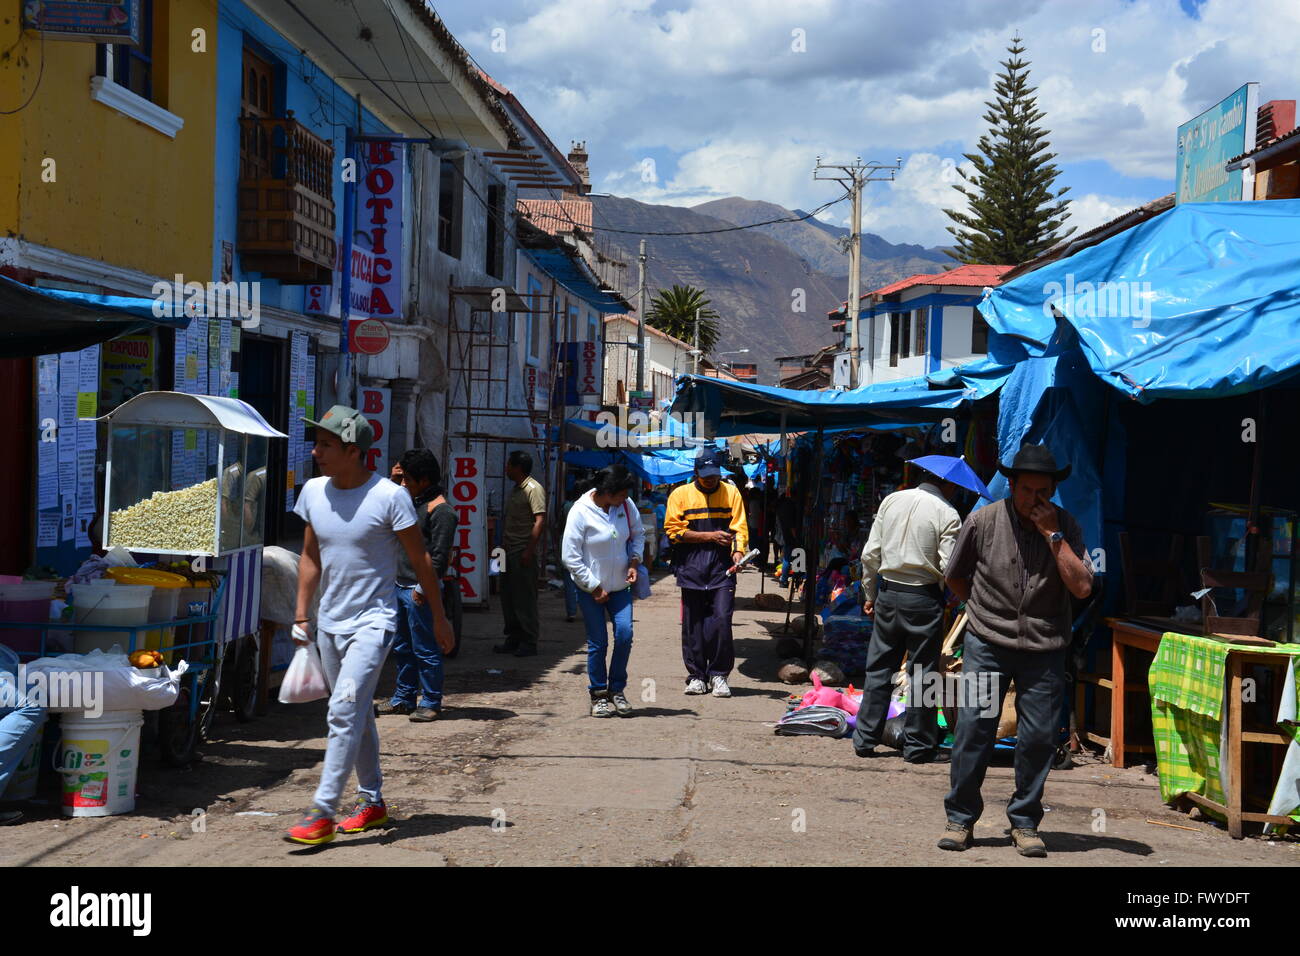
pixel 1090 211
pixel 715 91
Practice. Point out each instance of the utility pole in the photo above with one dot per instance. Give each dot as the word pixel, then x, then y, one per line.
pixel 853 176
pixel 696 356
pixel 640 325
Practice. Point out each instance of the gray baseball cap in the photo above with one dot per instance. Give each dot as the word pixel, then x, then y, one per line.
pixel 348 423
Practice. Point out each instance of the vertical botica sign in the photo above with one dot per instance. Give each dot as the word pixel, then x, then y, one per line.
pixel 466 493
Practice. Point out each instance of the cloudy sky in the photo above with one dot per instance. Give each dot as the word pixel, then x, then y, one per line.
pixel 682 102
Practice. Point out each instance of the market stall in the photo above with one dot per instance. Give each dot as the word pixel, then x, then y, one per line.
pixel 1188 507
pixel 182 536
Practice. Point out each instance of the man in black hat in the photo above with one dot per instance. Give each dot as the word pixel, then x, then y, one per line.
pixel 1017 563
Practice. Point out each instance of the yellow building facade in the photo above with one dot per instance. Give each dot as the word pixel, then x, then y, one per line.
pixel 90 170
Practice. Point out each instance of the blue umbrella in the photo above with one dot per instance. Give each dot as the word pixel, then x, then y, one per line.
pixel 955 470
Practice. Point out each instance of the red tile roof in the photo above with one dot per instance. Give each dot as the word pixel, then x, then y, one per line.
pixel 976 276
pixel 969 275
pixel 557 216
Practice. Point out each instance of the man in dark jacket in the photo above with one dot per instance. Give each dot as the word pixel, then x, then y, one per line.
pixel 418 657
pixel 1017 563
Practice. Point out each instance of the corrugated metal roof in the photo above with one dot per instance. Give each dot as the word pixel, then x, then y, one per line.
pixel 1294 134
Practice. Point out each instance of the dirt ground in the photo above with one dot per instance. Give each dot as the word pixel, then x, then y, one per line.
pixel 516 772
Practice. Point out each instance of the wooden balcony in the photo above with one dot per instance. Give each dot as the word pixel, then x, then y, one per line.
pixel 286 204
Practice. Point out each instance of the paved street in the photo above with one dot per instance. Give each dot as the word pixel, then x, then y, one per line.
pixel 688 781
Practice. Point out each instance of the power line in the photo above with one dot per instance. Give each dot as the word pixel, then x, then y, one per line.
pixel 40 73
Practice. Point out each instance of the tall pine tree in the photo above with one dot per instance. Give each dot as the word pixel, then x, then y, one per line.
pixel 1014 214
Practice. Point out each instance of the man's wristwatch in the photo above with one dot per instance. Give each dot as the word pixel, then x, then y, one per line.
pixel 1055 536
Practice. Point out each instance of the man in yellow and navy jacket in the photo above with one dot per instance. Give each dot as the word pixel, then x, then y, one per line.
pixel 705 523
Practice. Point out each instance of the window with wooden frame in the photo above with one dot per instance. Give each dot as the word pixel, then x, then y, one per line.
pixel 895 331
pixel 128 66
pixel 451 192
pixel 922 330
pixel 494 257
pixel 257 97
pixel 537 307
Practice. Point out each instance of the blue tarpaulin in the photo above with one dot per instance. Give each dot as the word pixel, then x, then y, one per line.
pixel 561 267
pixel 735 408
pixel 36 321
pixel 1199 302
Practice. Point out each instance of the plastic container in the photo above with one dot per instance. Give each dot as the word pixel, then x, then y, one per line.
pixel 24 601
pixel 22 785
pixel 98 758
pixel 164 605
pixel 111 605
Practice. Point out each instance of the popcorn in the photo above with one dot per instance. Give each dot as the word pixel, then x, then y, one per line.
pixel 181 521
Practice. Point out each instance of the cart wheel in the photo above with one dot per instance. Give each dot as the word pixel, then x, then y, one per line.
pixel 243 686
pixel 177 734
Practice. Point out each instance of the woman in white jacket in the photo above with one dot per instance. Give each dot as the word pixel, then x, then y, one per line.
pixel 603 540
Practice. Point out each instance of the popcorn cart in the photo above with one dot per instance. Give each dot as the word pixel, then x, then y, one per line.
pixel 186 480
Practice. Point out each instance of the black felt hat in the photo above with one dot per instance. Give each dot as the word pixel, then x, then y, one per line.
pixel 1035 458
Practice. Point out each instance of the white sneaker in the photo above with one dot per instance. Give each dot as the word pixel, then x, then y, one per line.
pixel 696 686
pixel 720 688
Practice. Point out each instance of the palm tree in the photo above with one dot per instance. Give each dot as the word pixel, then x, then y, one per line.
pixel 673 311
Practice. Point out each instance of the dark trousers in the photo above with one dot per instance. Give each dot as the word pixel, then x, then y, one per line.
pixel 1040 683
pixel 706 631
pixel 903 622
pixel 453 608
pixel 519 601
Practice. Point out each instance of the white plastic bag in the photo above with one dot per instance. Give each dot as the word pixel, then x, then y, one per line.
pixel 101 681
pixel 305 679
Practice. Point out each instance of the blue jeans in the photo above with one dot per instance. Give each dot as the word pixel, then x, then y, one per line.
pixel 18 727
pixel 419 659
pixel 570 593
pixel 619 609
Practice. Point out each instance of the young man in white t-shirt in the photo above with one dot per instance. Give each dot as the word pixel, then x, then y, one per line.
pixel 356 521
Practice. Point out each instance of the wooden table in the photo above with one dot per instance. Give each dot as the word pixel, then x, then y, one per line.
pixel 1131 634
pixel 1238 658
pixel 1127 634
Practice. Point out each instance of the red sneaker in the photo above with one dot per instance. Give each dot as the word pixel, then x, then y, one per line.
pixel 366 815
pixel 315 828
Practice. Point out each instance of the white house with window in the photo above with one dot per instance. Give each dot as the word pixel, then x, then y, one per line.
pixel 920 325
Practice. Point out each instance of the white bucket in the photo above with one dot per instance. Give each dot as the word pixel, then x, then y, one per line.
pixel 114 605
pixel 22 785
pixel 98 758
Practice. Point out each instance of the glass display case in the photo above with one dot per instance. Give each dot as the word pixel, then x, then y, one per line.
pixel 185 474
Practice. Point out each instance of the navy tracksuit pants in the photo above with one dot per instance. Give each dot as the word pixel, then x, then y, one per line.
pixel 706 631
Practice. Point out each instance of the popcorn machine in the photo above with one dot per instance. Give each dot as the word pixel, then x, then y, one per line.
pixel 185 475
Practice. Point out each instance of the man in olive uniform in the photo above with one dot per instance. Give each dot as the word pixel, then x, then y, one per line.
pixel 524 520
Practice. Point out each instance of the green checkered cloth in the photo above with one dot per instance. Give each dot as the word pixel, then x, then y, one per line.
pixel 1188 673
pixel 1187 683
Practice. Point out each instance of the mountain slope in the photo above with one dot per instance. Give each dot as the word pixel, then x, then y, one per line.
pixel 818 243
pixel 750 277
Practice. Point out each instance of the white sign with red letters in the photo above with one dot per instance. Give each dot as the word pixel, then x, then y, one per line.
pixel 467 494
pixel 375 404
